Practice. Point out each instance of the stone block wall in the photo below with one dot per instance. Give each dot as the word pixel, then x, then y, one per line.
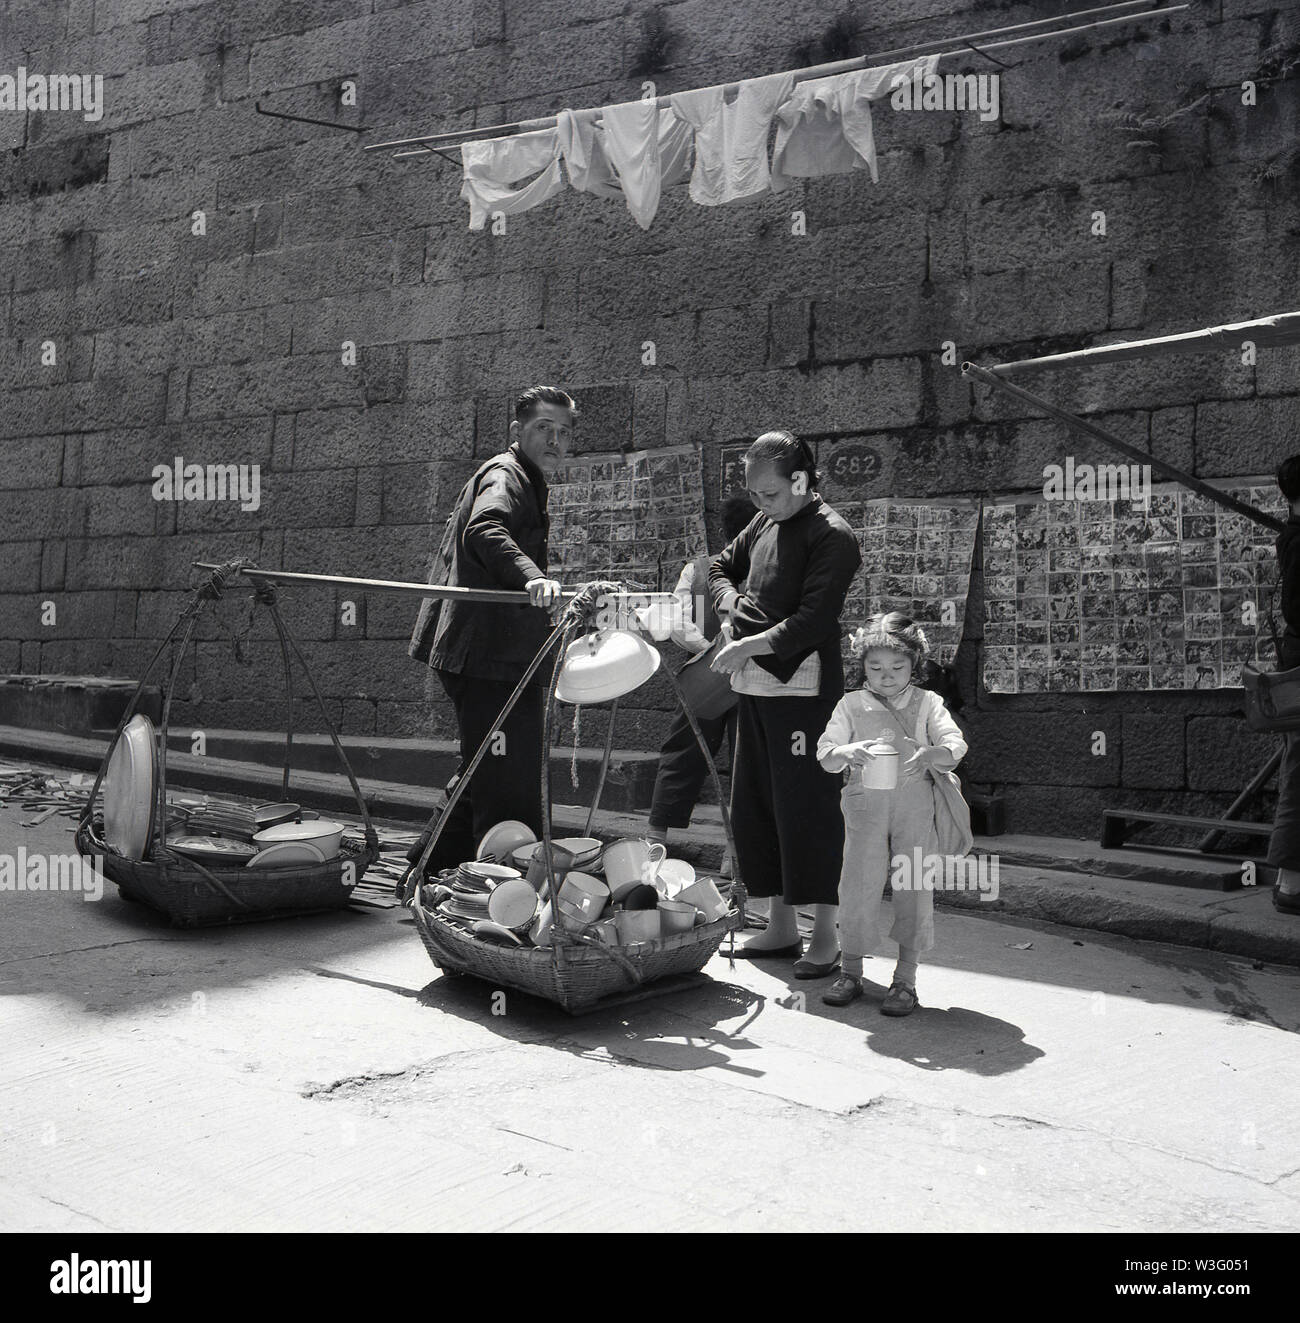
pixel 227 347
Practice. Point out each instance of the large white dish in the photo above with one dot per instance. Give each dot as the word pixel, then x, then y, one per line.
pixel 130 789
pixel 504 839
pixel 599 668
pixel 327 836
pixel 288 854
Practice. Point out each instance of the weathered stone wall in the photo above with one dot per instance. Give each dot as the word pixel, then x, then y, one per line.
pixel 226 347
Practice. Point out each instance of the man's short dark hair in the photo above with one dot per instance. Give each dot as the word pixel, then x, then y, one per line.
pixel 1288 478
pixel 535 396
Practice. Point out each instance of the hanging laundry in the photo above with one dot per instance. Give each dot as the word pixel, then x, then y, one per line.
pixel 648 148
pixel 731 159
pixel 621 157
pixel 582 145
pixel 825 126
pixel 493 166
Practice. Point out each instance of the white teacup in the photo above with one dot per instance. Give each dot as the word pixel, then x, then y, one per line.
pixel 674 874
pixel 706 898
pixel 630 862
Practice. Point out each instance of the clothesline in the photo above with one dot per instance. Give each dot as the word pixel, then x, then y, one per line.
pixel 977 42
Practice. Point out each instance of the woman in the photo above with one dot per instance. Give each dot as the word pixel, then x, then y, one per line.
pixel 796 560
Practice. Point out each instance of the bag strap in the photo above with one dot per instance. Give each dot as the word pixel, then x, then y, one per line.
pixel 897 720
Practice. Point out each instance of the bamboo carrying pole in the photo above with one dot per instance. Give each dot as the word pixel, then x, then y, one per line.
pixel 1086 428
pixel 1040 29
pixel 1282 328
pixel 438 592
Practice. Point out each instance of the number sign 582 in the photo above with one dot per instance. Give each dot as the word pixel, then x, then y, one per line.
pixel 854 464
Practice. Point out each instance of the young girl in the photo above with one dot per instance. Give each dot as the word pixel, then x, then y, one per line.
pixel 882 824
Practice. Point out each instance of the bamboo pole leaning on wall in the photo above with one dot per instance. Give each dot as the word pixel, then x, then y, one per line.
pixel 1282 328
pixel 1085 428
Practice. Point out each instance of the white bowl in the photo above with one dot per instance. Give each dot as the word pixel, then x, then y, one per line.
pixel 599 667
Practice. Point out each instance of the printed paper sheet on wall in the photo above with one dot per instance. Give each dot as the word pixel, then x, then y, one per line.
pixel 637 520
pixel 1112 595
pixel 916 558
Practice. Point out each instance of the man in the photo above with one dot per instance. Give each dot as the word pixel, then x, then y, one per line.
pixel 496 538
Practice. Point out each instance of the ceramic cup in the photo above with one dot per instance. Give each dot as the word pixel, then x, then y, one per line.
pixel 540 928
pixel 605 930
pixel 561 860
pixel 674 874
pixel 631 862
pixel 582 900
pixel 881 773
pixel 637 926
pixel 704 896
pixel 676 916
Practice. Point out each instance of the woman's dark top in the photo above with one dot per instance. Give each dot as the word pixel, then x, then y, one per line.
pixel 796 574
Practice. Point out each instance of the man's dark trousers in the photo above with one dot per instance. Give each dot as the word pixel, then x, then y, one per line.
pixel 508 782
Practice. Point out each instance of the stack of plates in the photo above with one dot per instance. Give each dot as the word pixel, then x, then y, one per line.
pixel 471 885
pixel 479 878
pixel 470 908
pixel 233 820
pixel 221 851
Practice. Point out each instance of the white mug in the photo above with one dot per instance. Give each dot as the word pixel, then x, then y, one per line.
pixel 630 862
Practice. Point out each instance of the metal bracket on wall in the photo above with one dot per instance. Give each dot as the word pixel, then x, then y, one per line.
pixel 305 119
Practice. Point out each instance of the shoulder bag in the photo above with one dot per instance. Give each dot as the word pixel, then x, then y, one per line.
pixel 951 812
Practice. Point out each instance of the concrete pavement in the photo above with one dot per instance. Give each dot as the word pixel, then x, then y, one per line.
pixel 319 1074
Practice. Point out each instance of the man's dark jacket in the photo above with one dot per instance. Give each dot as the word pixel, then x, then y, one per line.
pixel 494 538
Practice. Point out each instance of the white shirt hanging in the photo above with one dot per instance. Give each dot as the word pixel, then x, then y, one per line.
pixel 825 126
pixel 731 153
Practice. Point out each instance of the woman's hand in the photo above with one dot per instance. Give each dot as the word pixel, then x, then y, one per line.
pixel 731 656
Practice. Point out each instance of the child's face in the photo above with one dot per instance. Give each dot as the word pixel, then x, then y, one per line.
pixel 887 671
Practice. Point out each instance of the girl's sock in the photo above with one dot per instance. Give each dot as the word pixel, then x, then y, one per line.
pixel 851 965
pixel 905 970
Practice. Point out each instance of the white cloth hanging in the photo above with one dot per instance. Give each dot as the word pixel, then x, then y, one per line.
pixel 582 145
pixel 493 166
pixel 825 126
pixel 731 153
pixel 648 149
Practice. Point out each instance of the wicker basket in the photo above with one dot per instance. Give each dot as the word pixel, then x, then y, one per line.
pixel 574 973
pixel 193 896
pixel 187 892
pixel 578 972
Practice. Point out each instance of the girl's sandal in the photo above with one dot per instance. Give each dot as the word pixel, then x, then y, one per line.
pixel 899 1000
pixel 844 990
